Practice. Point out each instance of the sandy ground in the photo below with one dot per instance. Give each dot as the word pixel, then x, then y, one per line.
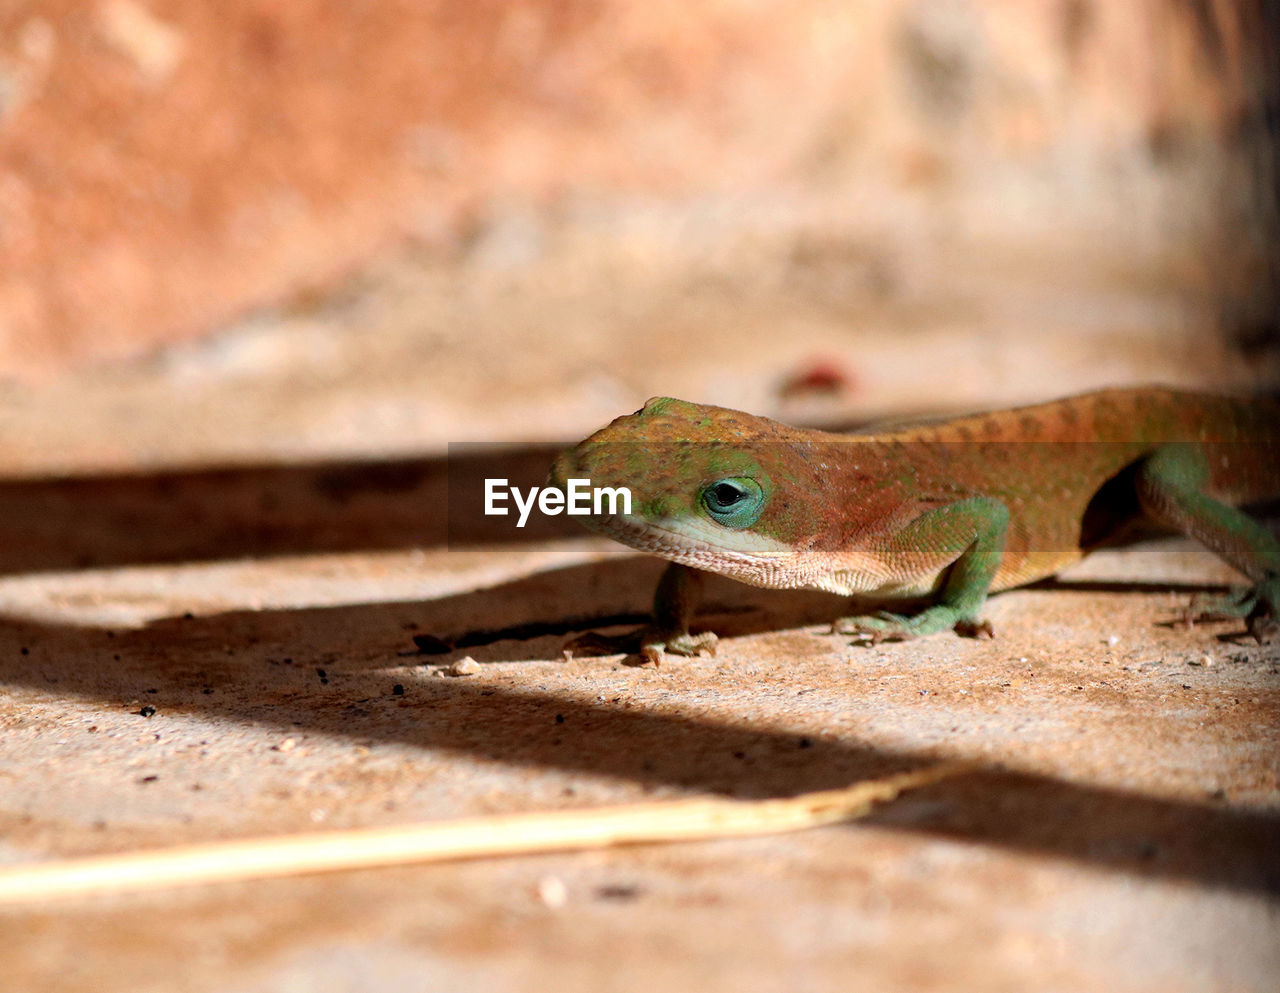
pixel 213 566
pixel 1120 834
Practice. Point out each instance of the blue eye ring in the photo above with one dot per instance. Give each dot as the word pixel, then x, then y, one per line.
pixel 735 501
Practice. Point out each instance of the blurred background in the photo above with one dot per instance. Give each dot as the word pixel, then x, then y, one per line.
pixel 280 230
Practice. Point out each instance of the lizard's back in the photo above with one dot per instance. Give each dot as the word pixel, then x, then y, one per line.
pixel 1065 468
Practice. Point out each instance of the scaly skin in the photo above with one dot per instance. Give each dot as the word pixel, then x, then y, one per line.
pixel 950 510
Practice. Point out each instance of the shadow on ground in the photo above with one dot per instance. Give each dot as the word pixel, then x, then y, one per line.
pixel 237 666
pixel 230 667
pixel 212 514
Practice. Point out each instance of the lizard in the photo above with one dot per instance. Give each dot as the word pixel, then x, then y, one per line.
pixel 949 510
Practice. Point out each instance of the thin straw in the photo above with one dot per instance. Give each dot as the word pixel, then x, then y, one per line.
pixel 465 838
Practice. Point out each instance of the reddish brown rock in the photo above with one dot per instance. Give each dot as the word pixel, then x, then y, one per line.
pixel 165 167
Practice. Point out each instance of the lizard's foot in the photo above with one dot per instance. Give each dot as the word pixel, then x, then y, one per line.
pixel 654 642
pixel 975 629
pixel 650 643
pixel 871 629
pixel 1258 605
pixel 881 626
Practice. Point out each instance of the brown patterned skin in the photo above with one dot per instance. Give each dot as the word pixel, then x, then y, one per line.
pixel 952 509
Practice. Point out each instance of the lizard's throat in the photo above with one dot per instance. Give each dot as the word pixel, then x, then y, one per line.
pixel 742 555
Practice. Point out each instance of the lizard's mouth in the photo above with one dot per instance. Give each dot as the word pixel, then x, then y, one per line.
pixel 742 555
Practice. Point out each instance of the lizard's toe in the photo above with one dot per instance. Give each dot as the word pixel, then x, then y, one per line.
pixel 1258 605
pixel 649 643
pixel 884 626
pixel 1239 602
pixel 872 629
pixel 1263 624
pixel 1266 630
pixel 693 644
pixel 654 643
pixel 977 628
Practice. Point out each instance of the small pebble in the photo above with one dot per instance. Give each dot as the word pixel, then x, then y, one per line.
pixel 553 892
pixel 288 745
pixel 147 711
pixel 465 666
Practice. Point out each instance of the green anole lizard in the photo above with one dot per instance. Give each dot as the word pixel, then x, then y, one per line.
pixel 950 510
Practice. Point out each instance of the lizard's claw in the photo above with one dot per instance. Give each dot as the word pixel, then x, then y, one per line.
pixel 975 629
pixel 872 629
pixel 1259 606
pixel 1264 628
pixel 654 642
pixel 1239 602
pixel 1263 618
pixel 650 643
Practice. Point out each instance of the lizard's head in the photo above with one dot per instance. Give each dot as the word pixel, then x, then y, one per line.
pixel 711 488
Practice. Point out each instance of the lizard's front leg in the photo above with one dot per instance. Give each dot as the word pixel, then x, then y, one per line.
pixel 674 603
pixel 969 534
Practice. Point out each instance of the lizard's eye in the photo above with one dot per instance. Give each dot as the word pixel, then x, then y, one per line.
pixel 736 502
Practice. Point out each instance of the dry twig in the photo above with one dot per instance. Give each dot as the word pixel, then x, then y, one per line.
pixel 466 838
